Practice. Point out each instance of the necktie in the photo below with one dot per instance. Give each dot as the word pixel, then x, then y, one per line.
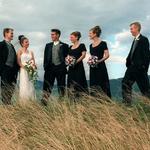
pixel 133 48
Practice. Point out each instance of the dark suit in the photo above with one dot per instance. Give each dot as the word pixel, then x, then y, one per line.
pixel 53 72
pixel 8 74
pixel 137 64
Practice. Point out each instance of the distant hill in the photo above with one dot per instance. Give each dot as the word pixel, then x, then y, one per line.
pixel 115 85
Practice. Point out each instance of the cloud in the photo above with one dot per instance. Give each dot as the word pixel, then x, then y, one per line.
pixel 117 59
pixel 35 19
pixel 121 42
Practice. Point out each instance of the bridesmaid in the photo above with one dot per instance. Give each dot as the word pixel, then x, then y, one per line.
pixel 98 76
pixel 76 74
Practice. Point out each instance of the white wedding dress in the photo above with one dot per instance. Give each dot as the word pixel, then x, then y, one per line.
pixel 26 87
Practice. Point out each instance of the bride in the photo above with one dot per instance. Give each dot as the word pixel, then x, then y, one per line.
pixel 26 86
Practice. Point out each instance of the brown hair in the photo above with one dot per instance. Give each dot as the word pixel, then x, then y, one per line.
pixel 76 34
pixel 6 30
pixel 21 39
pixel 97 30
pixel 137 24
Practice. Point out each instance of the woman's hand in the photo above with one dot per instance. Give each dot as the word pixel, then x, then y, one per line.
pixel 35 66
pixel 82 57
pixel 105 57
pixel 99 61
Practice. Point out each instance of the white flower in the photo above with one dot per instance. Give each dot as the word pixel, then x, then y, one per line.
pixel 61 45
pixel 70 60
pixel 92 61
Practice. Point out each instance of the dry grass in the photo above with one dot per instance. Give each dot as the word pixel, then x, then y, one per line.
pixel 88 125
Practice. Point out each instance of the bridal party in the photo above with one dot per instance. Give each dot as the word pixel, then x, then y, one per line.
pixel 64 63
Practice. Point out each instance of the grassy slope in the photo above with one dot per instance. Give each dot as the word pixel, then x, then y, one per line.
pixel 90 125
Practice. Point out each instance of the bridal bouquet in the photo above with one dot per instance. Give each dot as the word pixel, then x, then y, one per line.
pixel 93 61
pixel 70 60
pixel 31 70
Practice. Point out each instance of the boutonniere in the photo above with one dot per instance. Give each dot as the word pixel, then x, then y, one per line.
pixel 138 39
pixel 61 45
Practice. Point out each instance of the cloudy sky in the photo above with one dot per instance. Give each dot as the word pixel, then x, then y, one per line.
pixel 35 18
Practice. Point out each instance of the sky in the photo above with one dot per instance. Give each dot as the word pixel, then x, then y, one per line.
pixel 35 19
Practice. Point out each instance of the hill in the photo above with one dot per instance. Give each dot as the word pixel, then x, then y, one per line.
pixel 90 124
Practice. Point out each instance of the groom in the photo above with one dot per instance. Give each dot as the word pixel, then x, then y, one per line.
pixel 8 66
pixel 137 65
pixel 54 65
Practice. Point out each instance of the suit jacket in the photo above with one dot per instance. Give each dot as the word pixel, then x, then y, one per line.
pixel 64 48
pixel 3 56
pixel 141 55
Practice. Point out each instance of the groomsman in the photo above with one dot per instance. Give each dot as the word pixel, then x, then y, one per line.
pixel 8 66
pixel 137 64
pixel 54 65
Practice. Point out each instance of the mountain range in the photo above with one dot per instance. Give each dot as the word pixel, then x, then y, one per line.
pixel 115 85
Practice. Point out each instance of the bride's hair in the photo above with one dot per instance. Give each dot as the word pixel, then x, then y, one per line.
pixel 21 39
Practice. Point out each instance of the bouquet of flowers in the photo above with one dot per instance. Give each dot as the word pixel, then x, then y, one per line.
pixel 70 60
pixel 31 70
pixel 93 61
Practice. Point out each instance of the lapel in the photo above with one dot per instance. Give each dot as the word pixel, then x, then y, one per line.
pixel 50 46
pixel 14 49
pixel 136 46
pixel 5 48
pixel 15 53
pixel 62 51
pixel 6 51
pixel 61 47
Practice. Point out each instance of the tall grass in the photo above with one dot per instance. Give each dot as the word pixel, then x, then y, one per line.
pixel 89 124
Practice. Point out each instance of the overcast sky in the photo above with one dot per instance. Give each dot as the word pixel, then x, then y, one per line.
pixel 35 18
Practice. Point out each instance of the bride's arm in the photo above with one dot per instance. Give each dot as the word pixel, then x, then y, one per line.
pixel 33 59
pixel 19 59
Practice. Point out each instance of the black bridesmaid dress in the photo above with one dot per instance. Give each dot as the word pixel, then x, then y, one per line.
pixel 99 76
pixel 76 74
